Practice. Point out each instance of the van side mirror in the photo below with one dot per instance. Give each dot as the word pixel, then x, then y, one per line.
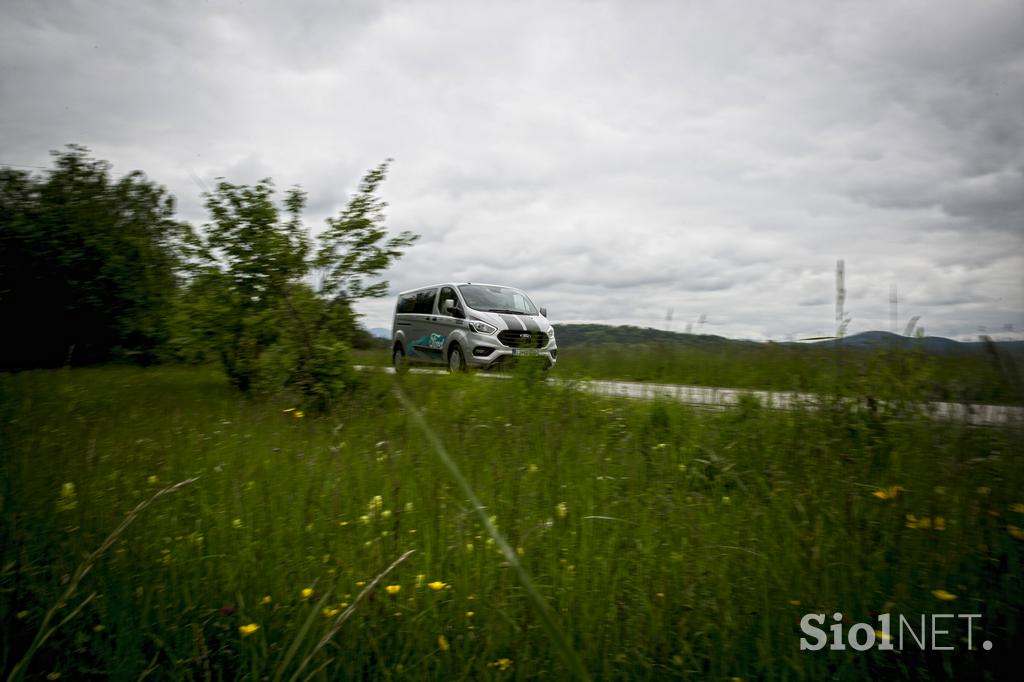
pixel 544 312
pixel 449 307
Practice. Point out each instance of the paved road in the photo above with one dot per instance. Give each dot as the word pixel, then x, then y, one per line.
pixel 709 396
pixel 722 397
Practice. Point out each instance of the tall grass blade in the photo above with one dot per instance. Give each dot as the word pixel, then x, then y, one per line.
pixel 300 636
pixel 547 618
pixel 45 631
pixel 340 620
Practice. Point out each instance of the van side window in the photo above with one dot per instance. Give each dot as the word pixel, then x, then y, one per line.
pixel 425 302
pixel 406 303
pixel 446 294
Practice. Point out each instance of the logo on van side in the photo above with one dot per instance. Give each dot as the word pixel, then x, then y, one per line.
pixel 431 342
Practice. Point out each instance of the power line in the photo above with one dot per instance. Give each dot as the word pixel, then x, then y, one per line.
pixel 199 181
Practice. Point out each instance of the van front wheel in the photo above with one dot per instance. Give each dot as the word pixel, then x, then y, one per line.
pixel 456 361
pixel 398 360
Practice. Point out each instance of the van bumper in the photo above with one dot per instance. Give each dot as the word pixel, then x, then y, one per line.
pixel 491 357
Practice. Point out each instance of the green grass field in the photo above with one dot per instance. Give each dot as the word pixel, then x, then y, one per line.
pixel 900 374
pixel 669 542
pixel 904 374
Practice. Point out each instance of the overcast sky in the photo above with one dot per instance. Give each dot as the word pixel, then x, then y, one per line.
pixel 617 160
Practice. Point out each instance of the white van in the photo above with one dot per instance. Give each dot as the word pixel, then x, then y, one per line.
pixel 469 325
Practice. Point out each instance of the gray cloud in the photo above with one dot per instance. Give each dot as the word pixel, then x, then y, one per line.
pixel 616 159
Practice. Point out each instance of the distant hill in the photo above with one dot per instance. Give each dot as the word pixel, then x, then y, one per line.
pixel 931 344
pixel 581 334
pixel 595 334
pixel 577 334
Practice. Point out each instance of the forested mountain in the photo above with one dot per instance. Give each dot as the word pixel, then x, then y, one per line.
pixel 580 334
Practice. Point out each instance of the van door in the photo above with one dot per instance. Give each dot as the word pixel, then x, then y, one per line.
pixel 426 344
pixel 448 322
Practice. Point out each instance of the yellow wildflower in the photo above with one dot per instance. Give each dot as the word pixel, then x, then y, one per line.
pixel 532 469
pixel 502 664
pixel 376 504
pixel 889 493
pixel 437 585
pixel 393 589
pixel 299 414
pixel 153 480
pixel 794 602
pixel 1018 507
pixel 330 613
pixel 925 523
pixel 68 497
pixel 307 592
pixel 470 614
pixel 911 521
pixel 942 595
pixel 940 523
pixel 99 627
pixel 562 510
pixel 1016 532
pixel 360 583
pixel 342 523
pixel 237 523
pixel 266 600
pixel 442 643
pixel 53 676
pixel 288 409
pixel 882 636
pixel 249 629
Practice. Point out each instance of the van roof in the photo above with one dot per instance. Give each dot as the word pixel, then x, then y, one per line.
pixel 454 284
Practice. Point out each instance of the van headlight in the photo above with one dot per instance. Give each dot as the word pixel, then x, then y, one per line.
pixel 481 327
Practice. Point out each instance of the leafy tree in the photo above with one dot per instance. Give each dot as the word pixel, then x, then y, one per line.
pixel 251 297
pixel 251 261
pixel 350 249
pixel 89 263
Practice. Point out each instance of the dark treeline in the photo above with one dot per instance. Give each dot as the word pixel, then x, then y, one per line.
pixel 89 264
pixel 95 268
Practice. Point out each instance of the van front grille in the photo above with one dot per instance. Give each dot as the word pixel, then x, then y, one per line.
pixel 523 339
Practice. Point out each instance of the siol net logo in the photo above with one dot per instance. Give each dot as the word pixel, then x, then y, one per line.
pixel 936 632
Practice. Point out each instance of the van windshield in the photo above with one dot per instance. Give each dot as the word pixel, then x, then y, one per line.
pixel 495 299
